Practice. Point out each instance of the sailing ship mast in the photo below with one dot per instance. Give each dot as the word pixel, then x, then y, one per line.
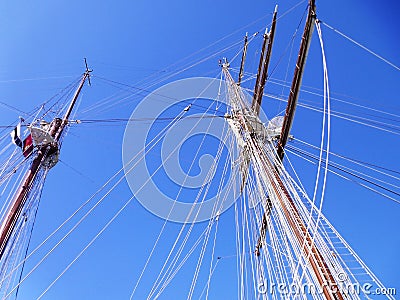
pixel 316 260
pixel 248 121
pixel 246 43
pixel 297 78
pixel 46 155
pixel 263 65
pixel 288 246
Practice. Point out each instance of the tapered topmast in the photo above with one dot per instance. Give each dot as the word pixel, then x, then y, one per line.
pixel 316 260
pixel 297 78
pixel 42 155
pixel 265 57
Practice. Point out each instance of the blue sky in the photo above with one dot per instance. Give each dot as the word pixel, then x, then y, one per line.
pixel 43 44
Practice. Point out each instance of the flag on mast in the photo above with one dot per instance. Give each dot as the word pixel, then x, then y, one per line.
pixel 27 146
pixel 16 136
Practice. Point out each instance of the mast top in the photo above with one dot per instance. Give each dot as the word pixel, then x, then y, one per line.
pixel 297 79
pixel 87 71
pixel 311 3
pixel 85 76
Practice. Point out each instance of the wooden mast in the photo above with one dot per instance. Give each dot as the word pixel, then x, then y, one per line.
pixel 263 65
pixel 260 81
pixel 297 78
pixel 314 256
pixel 19 200
pixel 256 105
pixel 316 260
pixel 243 60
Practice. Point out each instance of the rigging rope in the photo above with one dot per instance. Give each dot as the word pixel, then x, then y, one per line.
pixel 361 46
pixel 177 197
pixel 154 141
pixel 352 174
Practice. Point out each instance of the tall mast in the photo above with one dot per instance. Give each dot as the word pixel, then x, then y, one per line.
pixel 243 60
pixel 297 78
pixel 260 69
pixel 44 151
pixel 263 65
pixel 316 260
pixel 256 104
pixel 283 199
pixel 260 82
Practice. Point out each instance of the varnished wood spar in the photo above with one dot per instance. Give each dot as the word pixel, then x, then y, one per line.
pixel 263 66
pixel 315 258
pixel 19 200
pixel 260 69
pixel 297 78
pixel 243 60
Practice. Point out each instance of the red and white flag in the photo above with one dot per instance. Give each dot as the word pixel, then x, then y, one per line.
pixel 27 146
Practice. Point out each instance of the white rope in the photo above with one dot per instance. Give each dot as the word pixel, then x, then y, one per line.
pixel 169 273
pixel 216 208
pixel 349 179
pixel 108 224
pixel 362 46
pixel 175 259
pixel 284 83
pixel 359 163
pixel 326 110
pixel 159 135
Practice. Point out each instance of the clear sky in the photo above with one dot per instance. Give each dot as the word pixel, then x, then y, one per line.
pixel 42 48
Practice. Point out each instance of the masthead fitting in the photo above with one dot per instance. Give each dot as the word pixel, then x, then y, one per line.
pixel 87 71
